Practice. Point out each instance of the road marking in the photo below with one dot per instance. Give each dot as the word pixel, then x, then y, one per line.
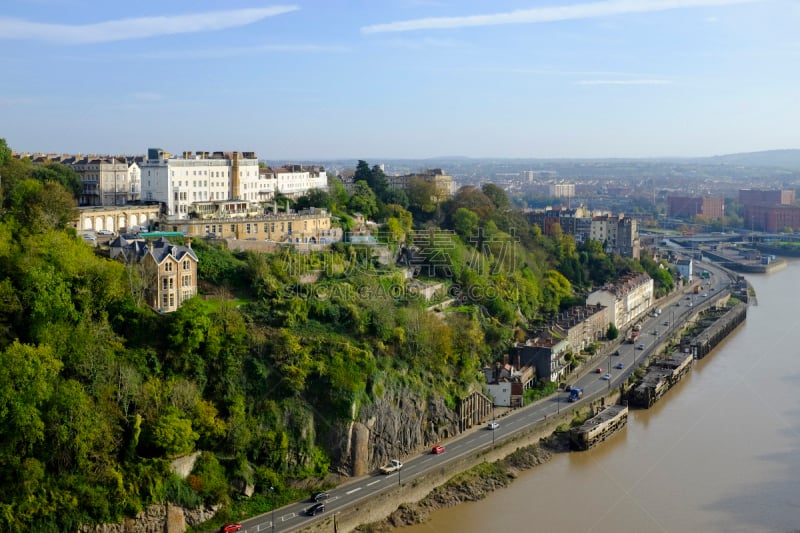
pixel 470 440
pixel 354 490
pixel 376 481
pixel 290 516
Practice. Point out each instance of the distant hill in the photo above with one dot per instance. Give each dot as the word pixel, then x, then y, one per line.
pixel 769 158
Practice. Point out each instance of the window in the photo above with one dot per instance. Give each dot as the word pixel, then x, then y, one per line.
pixel 171 283
pixel 164 300
pixel 168 267
pixel 172 300
pixel 186 265
pixel 233 228
pixel 164 283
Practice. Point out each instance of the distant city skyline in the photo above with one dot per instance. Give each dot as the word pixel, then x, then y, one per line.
pixel 402 79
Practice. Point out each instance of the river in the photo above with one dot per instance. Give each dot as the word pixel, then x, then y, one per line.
pixel 719 452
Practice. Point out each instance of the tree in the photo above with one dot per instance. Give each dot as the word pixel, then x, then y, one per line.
pixel 5 152
pixel 421 196
pixel 40 206
pixel 363 200
pixel 465 223
pixel 497 195
pixel 612 332
pixel 61 174
pixel 173 433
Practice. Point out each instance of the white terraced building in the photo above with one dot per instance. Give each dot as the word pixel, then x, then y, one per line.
pixel 291 180
pixel 179 182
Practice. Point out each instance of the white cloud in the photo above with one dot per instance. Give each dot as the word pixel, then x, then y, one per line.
pixel 624 82
pixel 233 51
pixel 136 28
pixel 547 14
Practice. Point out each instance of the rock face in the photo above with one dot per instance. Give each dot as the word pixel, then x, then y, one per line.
pixel 157 518
pixel 399 423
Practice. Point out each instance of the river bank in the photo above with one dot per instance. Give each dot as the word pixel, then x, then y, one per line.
pixel 474 484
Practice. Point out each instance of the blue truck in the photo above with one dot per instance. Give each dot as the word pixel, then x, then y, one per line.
pixel 575 394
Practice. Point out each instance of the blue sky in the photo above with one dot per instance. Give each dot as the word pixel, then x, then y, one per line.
pixel 375 79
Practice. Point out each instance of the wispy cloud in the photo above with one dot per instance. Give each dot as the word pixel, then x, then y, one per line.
pixel 624 82
pixel 547 14
pixel 233 51
pixel 136 28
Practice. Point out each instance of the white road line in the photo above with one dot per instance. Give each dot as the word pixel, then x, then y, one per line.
pixel 352 491
pixel 470 441
pixel 376 481
pixel 286 517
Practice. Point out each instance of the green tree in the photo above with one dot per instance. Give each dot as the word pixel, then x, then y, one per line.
pixel 363 200
pixel 465 223
pixel 61 174
pixel 612 332
pixel 173 433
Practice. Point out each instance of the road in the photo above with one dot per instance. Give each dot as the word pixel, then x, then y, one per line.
pixel 293 517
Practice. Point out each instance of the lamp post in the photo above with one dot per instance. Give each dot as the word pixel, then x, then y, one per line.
pixel 272 493
pixel 493 428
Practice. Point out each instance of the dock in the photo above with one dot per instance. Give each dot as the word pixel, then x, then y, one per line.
pixel 662 375
pixel 599 427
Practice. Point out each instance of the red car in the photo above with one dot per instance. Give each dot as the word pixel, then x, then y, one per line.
pixel 230 527
pixel 438 449
pixel 599 371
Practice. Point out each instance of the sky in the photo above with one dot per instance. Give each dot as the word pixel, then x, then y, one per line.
pixel 388 79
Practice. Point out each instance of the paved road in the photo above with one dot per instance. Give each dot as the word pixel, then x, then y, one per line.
pixel 293 517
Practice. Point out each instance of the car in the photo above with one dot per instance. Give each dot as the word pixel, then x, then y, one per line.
pixel 105 232
pixel 691 304
pixel 666 322
pixel 712 289
pixel 316 509
pixel 437 449
pixel 616 352
pixel 321 497
pixel 705 295
pixel 688 297
pixel 89 237
pixel 677 304
pixel 598 371
pixel 230 527
pixel 655 332
pixel 493 426
pixel 619 366
pixel 640 347
pixel 606 376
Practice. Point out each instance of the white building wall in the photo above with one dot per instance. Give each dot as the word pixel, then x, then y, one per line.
pixel 500 393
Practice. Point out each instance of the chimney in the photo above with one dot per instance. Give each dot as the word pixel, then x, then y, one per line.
pixel 519 362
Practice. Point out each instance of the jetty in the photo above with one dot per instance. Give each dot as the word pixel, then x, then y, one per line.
pixel 599 427
pixel 662 375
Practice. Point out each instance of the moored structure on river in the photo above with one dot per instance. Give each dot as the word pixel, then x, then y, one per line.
pixel 599 427
pixel 661 375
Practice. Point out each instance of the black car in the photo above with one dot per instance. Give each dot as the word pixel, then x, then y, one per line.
pixel 321 497
pixel 316 509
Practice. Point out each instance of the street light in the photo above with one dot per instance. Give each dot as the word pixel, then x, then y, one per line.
pixel 272 493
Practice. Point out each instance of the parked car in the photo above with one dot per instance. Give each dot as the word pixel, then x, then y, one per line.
pixel 316 509
pixel 438 449
pixel 321 497
pixel 105 232
pixel 230 527
pixel 89 237
pixel 493 426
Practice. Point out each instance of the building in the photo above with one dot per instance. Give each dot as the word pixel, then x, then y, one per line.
pixel 117 218
pixel 179 182
pixel 506 384
pixel 685 268
pixel 444 185
pixel 292 181
pixel 618 233
pixel 772 218
pixel 562 190
pixel 769 210
pixel 580 325
pixel 626 300
pixel 232 220
pixel 546 355
pixel 692 206
pixel 169 271
pixel 748 197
